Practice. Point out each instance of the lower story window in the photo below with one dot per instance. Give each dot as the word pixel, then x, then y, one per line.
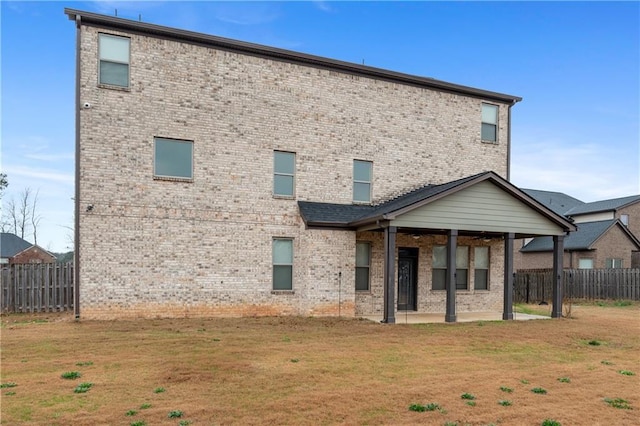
pixel 363 263
pixel 481 268
pixel 613 263
pixel 439 268
pixel 282 253
pixel 585 263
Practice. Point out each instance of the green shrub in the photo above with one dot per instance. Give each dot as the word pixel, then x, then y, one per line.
pixel 618 403
pixel 468 396
pixel 8 385
pixel 504 402
pixel 550 422
pixel 506 389
pixel 83 387
pixel 70 375
pixel 564 379
pixel 158 390
pixel 627 373
pixel 175 414
pixel 540 391
pixel 131 413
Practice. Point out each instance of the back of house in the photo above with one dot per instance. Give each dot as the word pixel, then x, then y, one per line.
pixel 195 153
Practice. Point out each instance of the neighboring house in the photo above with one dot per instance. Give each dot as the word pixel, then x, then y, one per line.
pixel 14 250
pixel 222 178
pixel 607 235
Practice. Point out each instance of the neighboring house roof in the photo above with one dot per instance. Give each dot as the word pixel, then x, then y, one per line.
pixel 583 239
pixel 559 202
pixel 353 216
pixel 11 244
pixel 280 54
pixel 604 205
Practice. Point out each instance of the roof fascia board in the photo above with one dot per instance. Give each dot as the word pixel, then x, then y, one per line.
pixel 95 19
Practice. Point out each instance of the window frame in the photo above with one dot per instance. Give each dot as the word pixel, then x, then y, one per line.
pixel 362 182
pixel 157 176
pixel 458 269
pixel 624 219
pixel 279 264
pixel 100 61
pixel 279 173
pixel 496 108
pixel 614 263
pixel 585 259
pixel 476 269
pixel 367 267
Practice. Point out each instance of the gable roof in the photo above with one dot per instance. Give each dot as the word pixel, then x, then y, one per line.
pixel 183 36
pixel 354 216
pixel 559 202
pixel 11 244
pixel 603 205
pixel 583 239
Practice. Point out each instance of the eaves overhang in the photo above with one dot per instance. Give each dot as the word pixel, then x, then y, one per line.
pixel 104 21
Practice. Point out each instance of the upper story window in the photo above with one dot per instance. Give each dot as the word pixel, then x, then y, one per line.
pixel 284 167
pixel 362 171
pixel 489 123
pixel 624 218
pixel 114 60
pixel 173 159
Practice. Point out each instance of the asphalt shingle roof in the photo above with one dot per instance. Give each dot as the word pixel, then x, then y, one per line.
pixel 11 244
pixel 559 202
pixel 582 239
pixel 604 205
pixel 344 214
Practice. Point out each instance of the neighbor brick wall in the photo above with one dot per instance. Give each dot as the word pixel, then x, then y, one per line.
pixel 33 254
pixel 161 248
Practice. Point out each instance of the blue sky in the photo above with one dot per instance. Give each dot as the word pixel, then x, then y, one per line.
pixel 576 65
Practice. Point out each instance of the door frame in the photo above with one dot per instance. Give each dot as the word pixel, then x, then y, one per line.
pixel 411 254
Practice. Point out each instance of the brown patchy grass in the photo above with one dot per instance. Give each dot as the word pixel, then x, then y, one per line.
pixel 308 371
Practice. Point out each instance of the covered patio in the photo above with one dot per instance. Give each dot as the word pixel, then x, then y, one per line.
pixel 482 206
pixel 408 317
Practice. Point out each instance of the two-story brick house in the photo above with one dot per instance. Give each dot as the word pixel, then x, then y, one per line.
pixel 606 237
pixel 219 178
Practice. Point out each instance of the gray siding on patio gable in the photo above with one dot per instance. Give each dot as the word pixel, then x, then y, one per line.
pixel 481 207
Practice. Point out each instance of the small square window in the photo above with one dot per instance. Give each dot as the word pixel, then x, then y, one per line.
pixel 362 171
pixel 173 159
pixel 284 169
pixel 363 264
pixel 282 255
pixel 489 123
pixel 114 60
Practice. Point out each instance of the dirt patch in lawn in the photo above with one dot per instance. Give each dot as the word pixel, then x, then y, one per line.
pixel 255 371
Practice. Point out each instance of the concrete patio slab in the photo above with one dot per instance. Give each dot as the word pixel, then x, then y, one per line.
pixel 422 318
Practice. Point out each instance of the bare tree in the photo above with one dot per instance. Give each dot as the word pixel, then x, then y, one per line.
pixel 35 217
pixel 22 216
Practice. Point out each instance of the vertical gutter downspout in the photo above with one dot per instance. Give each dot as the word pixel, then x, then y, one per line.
pixel 509 140
pixel 76 237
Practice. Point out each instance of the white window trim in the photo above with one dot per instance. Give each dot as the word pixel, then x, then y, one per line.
pixel 369 182
pixel 293 175
pixel 486 122
pixel 290 290
pixel 128 63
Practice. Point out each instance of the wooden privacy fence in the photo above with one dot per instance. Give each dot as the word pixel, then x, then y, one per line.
pixel 37 287
pixel 535 285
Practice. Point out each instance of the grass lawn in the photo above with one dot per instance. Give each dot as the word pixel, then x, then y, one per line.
pixel 309 371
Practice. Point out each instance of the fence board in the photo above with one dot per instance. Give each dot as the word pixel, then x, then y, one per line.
pixel 37 287
pixel 536 285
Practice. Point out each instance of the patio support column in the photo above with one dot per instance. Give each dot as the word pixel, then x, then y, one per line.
pixel 389 274
pixel 450 282
pixel 558 258
pixel 507 312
